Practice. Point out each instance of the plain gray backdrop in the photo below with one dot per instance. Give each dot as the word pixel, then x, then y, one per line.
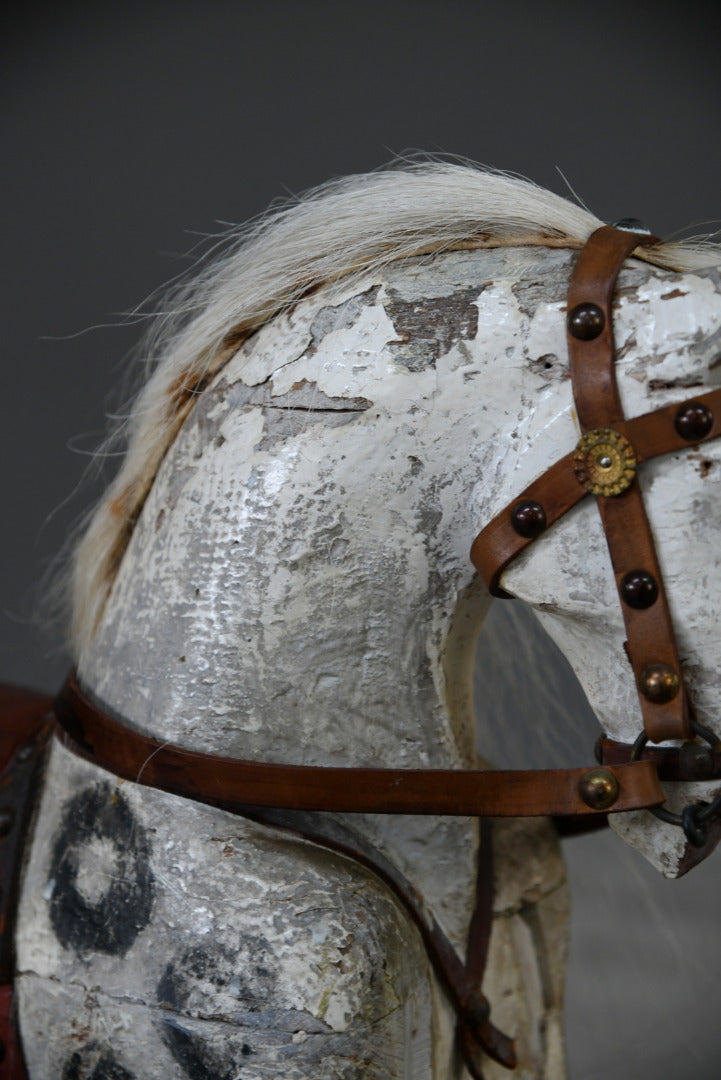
pixel 129 131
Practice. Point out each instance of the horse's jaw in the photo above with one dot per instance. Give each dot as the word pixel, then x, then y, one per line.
pixel 666 332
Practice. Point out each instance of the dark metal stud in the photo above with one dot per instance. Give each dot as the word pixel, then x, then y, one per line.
pixel 631 224
pixel 586 321
pixel 528 518
pixel 598 788
pixel 639 589
pixel 659 683
pixel 6 821
pixel 693 421
pixel 695 762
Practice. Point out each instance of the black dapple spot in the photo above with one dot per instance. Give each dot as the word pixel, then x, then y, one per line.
pixel 223 983
pixel 105 1067
pixel 193 1054
pixel 111 921
pixel 245 978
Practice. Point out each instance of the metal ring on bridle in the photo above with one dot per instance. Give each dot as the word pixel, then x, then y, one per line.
pixel 695 817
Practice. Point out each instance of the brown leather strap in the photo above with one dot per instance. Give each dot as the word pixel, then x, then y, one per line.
pixel 479 939
pixel 287 797
pixel 691 761
pixel 231 782
pixel 651 640
pixel 558 490
pixel 651 645
pixel 593 368
pixel 479 932
pixel 229 785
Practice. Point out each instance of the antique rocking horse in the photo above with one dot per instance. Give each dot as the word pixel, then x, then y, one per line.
pixel 261 846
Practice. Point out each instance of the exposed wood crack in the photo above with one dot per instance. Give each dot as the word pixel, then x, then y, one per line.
pixel 295 1019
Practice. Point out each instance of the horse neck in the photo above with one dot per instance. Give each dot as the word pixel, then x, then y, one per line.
pixel 326 641
pixel 292 586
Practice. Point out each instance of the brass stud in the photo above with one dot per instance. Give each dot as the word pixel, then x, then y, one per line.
pixel 693 421
pixel 604 462
pixel 598 788
pixel 528 518
pixel 585 321
pixel 659 683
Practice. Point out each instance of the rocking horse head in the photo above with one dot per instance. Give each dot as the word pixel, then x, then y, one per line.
pixel 275 613
pixel 355 392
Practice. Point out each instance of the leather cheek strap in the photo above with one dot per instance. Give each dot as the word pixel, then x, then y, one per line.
pixel 651 641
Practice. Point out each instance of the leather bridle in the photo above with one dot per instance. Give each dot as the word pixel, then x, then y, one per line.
pixel 604 464
pixel 627 778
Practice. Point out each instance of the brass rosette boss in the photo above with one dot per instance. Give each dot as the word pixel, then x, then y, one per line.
pixel 604 462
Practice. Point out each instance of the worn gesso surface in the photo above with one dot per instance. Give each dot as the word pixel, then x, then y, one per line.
pixel 298 588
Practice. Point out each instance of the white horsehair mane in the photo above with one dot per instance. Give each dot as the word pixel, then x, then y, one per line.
pixel 344 229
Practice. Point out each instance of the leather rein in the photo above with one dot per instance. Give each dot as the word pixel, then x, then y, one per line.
pixel 604 463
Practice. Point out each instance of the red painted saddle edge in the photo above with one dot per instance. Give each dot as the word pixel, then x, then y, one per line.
pixel 24 715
